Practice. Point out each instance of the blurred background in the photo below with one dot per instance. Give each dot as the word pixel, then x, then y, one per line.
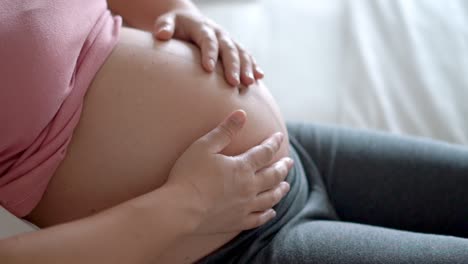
pixel 394 65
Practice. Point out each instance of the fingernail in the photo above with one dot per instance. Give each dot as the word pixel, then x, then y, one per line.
pixel 259 70
pixel 236 78
pixel 249 75
pixel 272 213
pixel 237 119
pixel 166 28
pixel 285 186
pixel 211 64
pixel 280 136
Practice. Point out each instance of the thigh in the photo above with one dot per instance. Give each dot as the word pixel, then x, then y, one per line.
pixel 393 181
pixel 332 242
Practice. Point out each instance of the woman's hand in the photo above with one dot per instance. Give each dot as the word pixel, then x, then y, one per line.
pixel 190 25
pixel 236 193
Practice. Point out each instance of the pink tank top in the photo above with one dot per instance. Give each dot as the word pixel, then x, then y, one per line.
pixel 49 53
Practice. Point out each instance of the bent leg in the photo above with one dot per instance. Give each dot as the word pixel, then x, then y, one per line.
pixel 398 182
pixel 377 179
pixel 331 242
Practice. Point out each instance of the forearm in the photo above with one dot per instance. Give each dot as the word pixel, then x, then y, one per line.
pixel 134 232
pixel 142 13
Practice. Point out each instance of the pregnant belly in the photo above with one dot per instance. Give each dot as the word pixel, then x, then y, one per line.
pixel 147 104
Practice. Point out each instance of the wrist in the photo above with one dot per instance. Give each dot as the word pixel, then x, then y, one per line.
pixel 184 5
pixel 183 207
pixel 143 13
pixel 183 9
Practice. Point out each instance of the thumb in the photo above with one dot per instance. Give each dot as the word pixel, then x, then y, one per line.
pixel 220 137
pixel 164 27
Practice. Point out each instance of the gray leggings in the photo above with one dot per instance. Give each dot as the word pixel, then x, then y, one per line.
pixel 371 198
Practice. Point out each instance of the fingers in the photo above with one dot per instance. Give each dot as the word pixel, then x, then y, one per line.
pixel 207 41
pixel 263 203
pixel 231 60
pixel 164 27
pixel 259 156
pixel 239 66
pixel 258 72
pixel 258 218
pixel 271 176
pixel 268 199
pixel 218 139
pixel 246 69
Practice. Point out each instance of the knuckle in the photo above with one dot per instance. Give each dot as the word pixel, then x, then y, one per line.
pixel 205 35
pixel 209 23
pixel 223 40
pixel 228 45
pixel 225 129
pixel 219 30
pixel 242 163
pixel 254 159
pixel 209 44
pixel 250 188
pixel 283 170
pixel 245 165
pixel 231 48
pixel 245 57
pixel 206 23
pixel 243 169
pixel 206 38
pixel 277 175
pixel 277 194
pixel 234 65
pixel 221 33
pixel 269 151
pixel 205 31
pixel 249 169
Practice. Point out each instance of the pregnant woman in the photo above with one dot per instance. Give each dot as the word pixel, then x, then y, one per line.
pixel 125 150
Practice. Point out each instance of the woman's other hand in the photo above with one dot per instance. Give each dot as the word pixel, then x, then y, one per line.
pixel 190 25
pixel 235 193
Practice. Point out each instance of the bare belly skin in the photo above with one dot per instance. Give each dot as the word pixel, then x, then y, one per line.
pixel 146 105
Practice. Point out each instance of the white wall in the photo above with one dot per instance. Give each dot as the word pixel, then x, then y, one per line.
pixel 396 65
